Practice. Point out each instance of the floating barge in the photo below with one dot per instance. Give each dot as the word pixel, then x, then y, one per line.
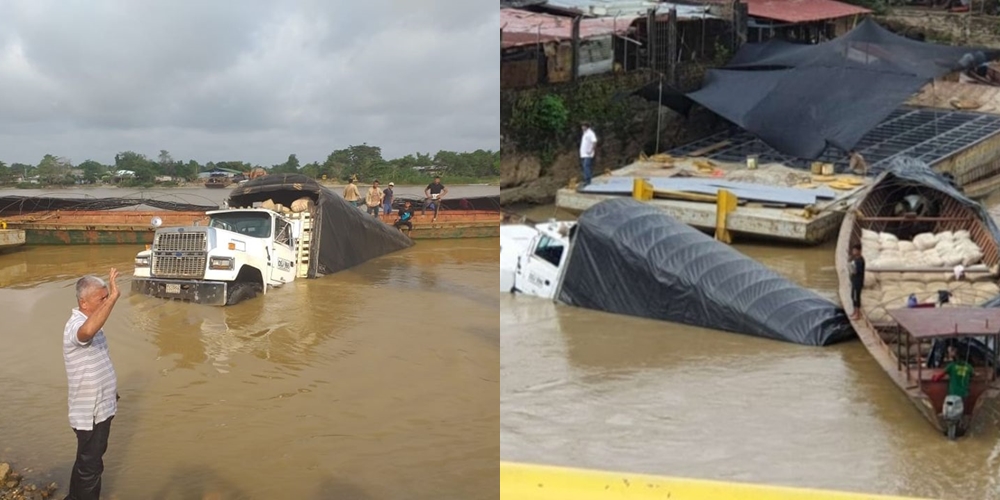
pixel 10 238
pixel 55 221
pixel 806 216
pixel 98 227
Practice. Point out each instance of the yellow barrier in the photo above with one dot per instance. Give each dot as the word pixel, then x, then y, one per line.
pixel 724 205
pixel 544 482
pixel 642 190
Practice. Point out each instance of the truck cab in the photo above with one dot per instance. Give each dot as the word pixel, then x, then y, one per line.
pixel 533 258
pixel 240 253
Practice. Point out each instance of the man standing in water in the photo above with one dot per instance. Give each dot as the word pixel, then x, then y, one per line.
pixel 857 270
pixel 93 385
pixel 588 145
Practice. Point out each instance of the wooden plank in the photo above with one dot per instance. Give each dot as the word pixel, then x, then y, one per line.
pixel 708 149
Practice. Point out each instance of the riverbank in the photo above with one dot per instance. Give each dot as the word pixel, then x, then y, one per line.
pixel 189 185
pixel 12 487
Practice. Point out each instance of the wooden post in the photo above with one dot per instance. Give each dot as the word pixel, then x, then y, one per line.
pixel 672 47
pixel 576 47
pixel 740 16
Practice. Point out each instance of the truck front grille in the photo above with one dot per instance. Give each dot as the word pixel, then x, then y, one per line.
pixel 180 242
pixel 179 255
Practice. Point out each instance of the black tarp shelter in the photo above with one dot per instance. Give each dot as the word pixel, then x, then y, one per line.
pixel 799 99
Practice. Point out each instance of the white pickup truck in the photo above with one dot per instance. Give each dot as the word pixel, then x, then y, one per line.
pixel 240 253
pixel 533 257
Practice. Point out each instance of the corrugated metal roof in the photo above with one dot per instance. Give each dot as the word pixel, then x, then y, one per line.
pixel 521 27
pixel 634 8
pixel 802 11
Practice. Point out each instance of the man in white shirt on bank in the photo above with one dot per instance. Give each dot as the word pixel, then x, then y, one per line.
pixel 588 144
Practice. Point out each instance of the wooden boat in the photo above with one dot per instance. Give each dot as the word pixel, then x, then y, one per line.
pixel 909 345
pixel 218 182
pixel 452 224
pixel 98 227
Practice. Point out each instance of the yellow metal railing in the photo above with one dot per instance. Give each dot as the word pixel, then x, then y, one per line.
pixel 544 482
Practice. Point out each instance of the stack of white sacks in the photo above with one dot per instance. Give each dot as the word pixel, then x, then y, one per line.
pixel 945 250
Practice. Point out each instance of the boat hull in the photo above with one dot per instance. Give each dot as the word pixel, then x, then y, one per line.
pixel 456 224
pixel 896 360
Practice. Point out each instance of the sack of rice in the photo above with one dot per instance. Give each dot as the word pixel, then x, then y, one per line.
pixel 889 279
pixel 932 259
pixel 886 237
pixel 986 290
pixel 889 246
pixel 952 260
pixel 868 234
pixel 888 262
pixel 971 257
pixel 935 286
pixel 267 204
pixel 957 286
pixel 878 315
pixel 924 241
pixel 871 280
pixel 870 255
pixel 871 297
pixel 946 236
pixel 962 234
pixel 301 205
pixel 911 286
pixel 944 250
pixel 906 246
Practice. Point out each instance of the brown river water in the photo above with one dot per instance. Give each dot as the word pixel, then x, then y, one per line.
pixel 589 389
pixel 376 382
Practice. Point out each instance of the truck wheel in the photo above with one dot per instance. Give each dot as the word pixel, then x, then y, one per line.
pixel 239 292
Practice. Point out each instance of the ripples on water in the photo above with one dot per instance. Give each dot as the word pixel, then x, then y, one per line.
pixel 376 382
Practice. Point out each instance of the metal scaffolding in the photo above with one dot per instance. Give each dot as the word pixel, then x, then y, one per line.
pixel 931 135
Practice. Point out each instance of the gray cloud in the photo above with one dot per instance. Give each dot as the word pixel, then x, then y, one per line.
pixel 252 80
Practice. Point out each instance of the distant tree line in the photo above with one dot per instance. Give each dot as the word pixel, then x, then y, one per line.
pixel 363 162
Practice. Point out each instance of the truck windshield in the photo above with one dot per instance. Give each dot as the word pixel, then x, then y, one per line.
pixel 256 224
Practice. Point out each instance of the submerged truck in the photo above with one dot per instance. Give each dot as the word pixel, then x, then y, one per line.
pixel 276 228
pixel 239 254
pixel 624 257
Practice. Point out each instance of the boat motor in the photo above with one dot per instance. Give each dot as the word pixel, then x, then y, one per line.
pixel 952 412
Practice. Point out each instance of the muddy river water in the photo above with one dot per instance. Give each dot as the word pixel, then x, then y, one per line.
pixel 589 389
pixel 376 382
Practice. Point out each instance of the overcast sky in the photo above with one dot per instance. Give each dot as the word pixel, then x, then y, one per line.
pixel 248 80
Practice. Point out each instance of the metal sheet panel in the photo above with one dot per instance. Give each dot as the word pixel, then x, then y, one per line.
pixel 743 190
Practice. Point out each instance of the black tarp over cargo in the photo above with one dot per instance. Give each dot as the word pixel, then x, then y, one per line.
pixel 630 258
pixel 343 235
pixel 801 98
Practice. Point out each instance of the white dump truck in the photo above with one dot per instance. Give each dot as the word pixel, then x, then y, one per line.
pixel 240 253
pixel 533 257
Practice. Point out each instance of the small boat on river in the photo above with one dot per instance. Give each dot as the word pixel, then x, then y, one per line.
pixel 218 182
pixel 915 230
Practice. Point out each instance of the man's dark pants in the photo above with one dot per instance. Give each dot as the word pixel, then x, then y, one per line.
pixel 588 167
pixel 856 286
pixel 399 225
pixel 85 482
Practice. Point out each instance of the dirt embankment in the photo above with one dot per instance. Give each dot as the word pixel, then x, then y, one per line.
pixel 938 26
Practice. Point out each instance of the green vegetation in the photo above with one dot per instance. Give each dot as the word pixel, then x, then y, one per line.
pixel 546 120
pixel 364 161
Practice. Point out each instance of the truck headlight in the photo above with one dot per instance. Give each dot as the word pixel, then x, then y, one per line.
pixel 224 263
pixel 142 262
